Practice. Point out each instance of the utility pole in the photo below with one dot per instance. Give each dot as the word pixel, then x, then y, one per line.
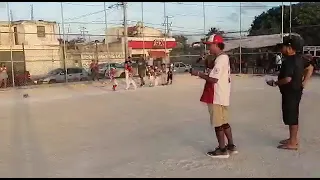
pixel 11 16
pixel 282 14
pixel 106 24
pixel 290 19
pixel 11 42
pixel 142 20
pixel 240 45
pixel 167 25
pixel 31 13
pixel 64 44
pixel 68 32
pixel 125 32
pixel 83 31
pixel 204 25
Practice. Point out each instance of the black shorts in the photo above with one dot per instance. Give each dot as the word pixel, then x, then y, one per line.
pixel 290 107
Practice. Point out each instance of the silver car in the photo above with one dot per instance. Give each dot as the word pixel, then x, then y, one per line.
pixel 104 69
pixel 59 76
pixel 180 67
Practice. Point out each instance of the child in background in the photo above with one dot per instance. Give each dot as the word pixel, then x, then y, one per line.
pixel 163 74
pixel 151 75
pixel 170 74
pixel 157 74
pixel 113 79
pixel 129 75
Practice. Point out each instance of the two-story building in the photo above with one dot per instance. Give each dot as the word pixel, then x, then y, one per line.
pixel 34 46
pixel 142 40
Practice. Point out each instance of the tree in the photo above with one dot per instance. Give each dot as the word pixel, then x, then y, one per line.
pixel 305 21
pixel 182 45
pixel 181 40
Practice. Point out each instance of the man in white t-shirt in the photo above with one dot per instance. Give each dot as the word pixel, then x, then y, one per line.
pixel 218 105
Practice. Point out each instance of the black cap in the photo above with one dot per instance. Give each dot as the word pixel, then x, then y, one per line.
pixel 295 41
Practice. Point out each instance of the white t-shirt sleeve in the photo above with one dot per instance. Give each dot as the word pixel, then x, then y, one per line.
pixel 218 66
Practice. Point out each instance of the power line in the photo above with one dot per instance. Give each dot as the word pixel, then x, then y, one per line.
pixel 82 4
pixel 222 6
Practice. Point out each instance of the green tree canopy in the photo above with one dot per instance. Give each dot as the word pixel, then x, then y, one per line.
pixel 305 21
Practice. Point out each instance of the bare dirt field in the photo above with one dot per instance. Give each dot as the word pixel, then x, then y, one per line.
pixel 89 131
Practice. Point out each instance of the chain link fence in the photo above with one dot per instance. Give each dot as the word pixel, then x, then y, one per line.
pixel 60 40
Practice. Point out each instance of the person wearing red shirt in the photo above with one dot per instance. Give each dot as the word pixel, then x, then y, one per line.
pixel 94 70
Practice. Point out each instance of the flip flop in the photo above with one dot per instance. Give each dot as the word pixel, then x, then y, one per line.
pixel 285 141
pixel 285 147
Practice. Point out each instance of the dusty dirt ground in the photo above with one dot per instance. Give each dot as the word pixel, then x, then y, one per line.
pixel 90 131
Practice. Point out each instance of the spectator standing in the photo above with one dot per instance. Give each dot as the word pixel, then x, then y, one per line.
pixel 3 75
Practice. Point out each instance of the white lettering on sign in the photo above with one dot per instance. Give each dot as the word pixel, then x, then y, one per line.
pixel 91 56
pixel 158 43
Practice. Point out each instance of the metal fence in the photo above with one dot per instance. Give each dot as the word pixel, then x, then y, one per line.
pixel 67 35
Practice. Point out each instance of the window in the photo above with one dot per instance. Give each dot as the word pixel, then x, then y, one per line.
pixel 177 65
pixel 15 31
pixel 41 31
pixel 74 70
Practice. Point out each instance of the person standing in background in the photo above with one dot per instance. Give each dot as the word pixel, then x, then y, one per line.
pixel 170 74
pixel 113 79
pixel 142 70
pixel 151 75
pixel 128 70
pixel 278 61
pixel 94 70
pixel 3 75
pixel 157 74
pixel 163 74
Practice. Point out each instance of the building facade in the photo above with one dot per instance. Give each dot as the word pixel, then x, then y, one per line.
pixel 142 40
pixel 36 40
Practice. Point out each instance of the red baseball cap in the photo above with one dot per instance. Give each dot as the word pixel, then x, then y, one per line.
pixel 214 39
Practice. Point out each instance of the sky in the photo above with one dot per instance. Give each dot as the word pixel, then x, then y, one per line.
pixel 186 18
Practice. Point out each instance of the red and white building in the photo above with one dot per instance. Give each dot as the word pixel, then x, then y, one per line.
pixel 141 41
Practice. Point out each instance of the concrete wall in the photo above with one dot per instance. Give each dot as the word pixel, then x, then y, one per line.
pixel 4 35
pixel 42 60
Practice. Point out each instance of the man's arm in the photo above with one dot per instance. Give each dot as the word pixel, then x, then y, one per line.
pixel 214 75
pixel 288 73
pixel 283 81
pixel 307 73
pixel 207 78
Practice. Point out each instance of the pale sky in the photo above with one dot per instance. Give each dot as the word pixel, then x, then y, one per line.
pixel 187 17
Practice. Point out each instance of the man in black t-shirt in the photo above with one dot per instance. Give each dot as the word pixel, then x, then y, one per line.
pixel 290 82
pixel 142 70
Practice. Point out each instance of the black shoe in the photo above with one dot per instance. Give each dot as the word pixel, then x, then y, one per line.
pixel 219 153
pixel 232 149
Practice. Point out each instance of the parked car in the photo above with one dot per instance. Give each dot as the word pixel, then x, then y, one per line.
pixel 59 76
pixel 20 79
pixel 104 68
pixel 23 79
pixel 180 67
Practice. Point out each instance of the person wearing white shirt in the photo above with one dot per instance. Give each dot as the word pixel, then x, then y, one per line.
pixel 218 109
